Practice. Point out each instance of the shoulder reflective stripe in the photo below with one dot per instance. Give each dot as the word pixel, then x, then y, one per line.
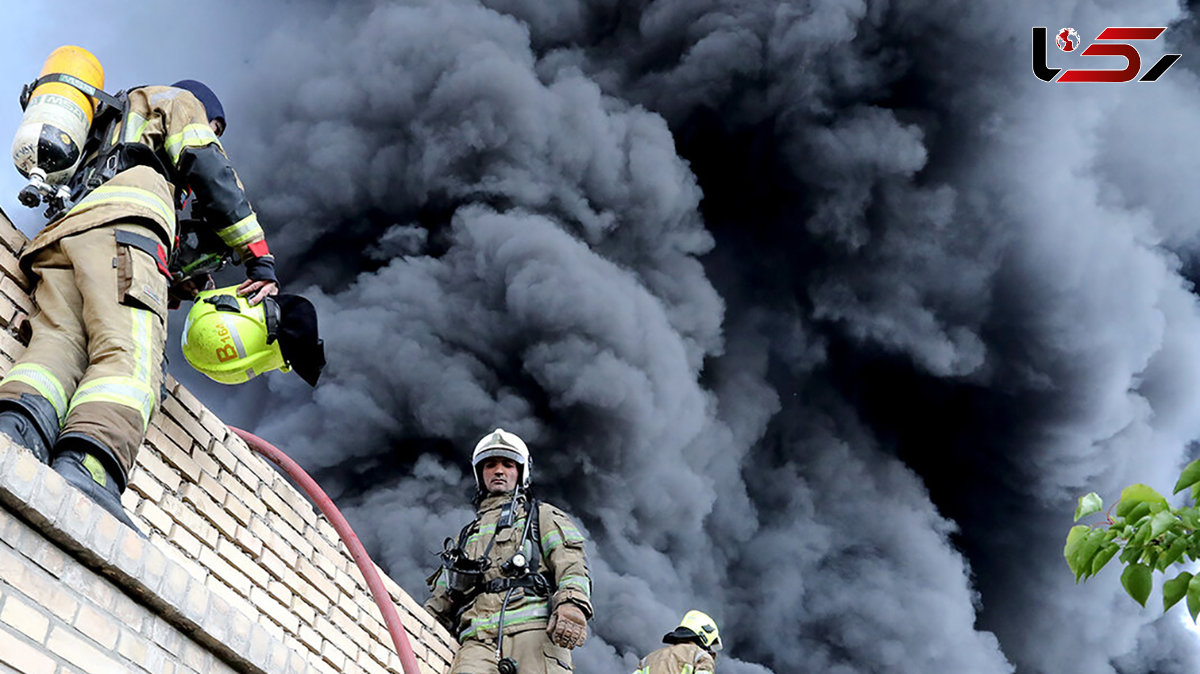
pixel 124 391
pixel 554 538
pixel 572 534
pixel 193 135
pixel 551 539
pixel 107 194
pixel 166 94
pixel 43 382
pixel 687 669
pixel 539 610
pixel 241 231
pixel 137 126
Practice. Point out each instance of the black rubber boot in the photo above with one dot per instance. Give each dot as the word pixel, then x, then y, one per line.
pixel 30 421
pixel 20 430
pixel 89 466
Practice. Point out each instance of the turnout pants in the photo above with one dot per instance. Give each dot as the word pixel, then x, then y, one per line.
pixel 532 649
pixel 96 351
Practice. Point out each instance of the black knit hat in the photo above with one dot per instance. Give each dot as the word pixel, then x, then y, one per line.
pixel 212 104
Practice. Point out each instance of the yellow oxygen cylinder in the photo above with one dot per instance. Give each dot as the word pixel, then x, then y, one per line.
pixel 49 141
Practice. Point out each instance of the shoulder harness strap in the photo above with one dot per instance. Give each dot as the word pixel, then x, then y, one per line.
pixel 535 528
pixel 70 80
pixel 536 533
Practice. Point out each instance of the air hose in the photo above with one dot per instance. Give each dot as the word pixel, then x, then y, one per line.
pixel 408 661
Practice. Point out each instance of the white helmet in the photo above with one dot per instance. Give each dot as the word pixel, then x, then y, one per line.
pixel 502 443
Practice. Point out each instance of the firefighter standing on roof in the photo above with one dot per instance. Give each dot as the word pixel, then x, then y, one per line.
pixel 511 582
pixel 83 393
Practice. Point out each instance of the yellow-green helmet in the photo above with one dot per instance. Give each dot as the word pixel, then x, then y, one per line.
pixel 230 341
pixel 696 626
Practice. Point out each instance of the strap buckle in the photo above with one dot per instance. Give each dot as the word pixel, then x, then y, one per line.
pixel 26 92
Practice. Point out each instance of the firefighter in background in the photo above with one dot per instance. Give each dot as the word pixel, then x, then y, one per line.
pixel 691 648
pixel 514 587
pixel 82 395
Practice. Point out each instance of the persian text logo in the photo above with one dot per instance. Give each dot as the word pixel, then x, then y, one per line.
pixel 1112 41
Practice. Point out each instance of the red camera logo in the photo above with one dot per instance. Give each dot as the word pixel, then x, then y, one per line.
pixel 1112 41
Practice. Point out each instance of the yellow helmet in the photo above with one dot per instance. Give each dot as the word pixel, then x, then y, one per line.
pixel 230 341
pixel 696 626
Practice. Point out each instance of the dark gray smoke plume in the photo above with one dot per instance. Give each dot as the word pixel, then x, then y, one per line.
pixel 817 315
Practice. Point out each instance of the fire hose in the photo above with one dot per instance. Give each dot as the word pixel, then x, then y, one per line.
pixel 408 661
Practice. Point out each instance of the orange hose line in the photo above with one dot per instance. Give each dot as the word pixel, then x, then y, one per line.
pixel 293 470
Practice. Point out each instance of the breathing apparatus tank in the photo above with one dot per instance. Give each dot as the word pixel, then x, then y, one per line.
pixel 59 107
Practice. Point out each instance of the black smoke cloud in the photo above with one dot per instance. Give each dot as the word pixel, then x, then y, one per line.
pixel 818 316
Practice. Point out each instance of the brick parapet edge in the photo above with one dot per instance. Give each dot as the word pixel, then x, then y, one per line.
pixel 234 555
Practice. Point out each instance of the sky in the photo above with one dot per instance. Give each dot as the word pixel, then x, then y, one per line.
pixel 818 316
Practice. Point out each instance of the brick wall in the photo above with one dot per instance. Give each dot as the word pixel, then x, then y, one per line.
pixel 238 572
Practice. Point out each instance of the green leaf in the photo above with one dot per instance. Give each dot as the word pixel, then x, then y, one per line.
pixel 1135 494
pixel 1129 554
pixel 1137 512
pixel 1161 522
pixel 1082 563
pixel 1190 517
pixel 1189 477
pixel 1193 596
pixel 1175 589
pixel 1075 537
pixel 1102 556
pixel 1173 553
pixel 1196 493
pixel 1088 503
pixel 1143 534
pixel 1137 582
